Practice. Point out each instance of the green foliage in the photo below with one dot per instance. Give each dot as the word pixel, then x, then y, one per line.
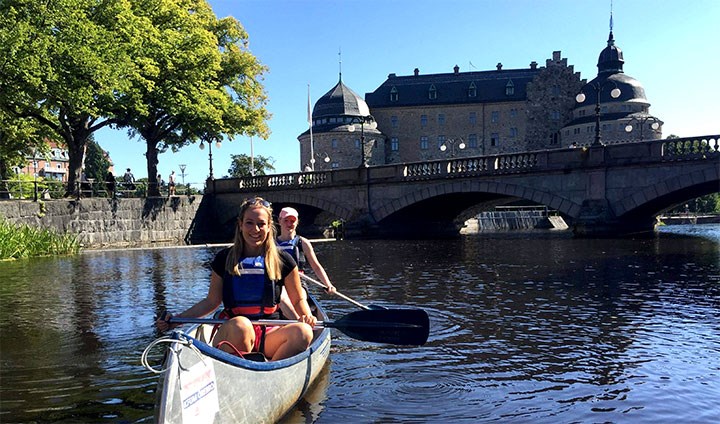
pixel 241 165
pixel 96 161
pixel 706 204
pixel 23 241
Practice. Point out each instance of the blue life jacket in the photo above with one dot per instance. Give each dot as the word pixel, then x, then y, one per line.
pixel 251 293
pixel 294 248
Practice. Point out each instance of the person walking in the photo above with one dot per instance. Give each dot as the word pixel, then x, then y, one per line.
pixel 171 184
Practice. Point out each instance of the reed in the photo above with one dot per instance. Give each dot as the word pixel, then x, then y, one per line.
pixel 24 241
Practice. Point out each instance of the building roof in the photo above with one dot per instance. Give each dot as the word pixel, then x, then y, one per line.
pixel 611 76
pixel 340 101
pixel 452 88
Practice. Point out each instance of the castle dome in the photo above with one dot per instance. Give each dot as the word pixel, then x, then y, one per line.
pixel 340 101
pixel 611 75
pixel 611 58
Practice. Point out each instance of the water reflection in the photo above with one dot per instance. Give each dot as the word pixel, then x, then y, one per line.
pixel 540 328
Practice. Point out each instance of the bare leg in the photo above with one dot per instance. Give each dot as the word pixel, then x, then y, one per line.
pixel 237 331
pixel 287 341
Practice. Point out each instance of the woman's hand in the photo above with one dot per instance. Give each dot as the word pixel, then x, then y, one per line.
pixel 330 288
pixel 308 319
pixel 163 322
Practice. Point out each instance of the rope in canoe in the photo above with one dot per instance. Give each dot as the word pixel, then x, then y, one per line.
pixel 167 339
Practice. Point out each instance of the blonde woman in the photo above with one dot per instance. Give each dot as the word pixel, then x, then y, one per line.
pixel 247 278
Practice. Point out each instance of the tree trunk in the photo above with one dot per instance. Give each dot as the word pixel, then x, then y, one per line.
pixel 151 153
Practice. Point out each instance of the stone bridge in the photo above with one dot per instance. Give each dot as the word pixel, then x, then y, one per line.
pixel 600 190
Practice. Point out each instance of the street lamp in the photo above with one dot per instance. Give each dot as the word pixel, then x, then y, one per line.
pixel 182 172
pixel 614 93
pixel 641 124
pixel 362 120
pixel 218 143
pixel 460 145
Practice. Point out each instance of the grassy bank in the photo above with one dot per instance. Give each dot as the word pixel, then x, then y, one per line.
pixel 23 241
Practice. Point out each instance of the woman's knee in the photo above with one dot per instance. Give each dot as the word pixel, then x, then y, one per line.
pixel 302 334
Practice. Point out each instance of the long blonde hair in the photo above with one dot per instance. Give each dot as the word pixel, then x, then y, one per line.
pixel 237 251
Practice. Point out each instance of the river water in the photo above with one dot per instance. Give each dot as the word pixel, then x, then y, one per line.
pixel 525 327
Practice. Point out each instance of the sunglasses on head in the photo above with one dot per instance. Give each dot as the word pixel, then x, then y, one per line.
pixel 256 201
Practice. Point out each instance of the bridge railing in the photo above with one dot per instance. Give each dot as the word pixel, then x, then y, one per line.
pixel 690 148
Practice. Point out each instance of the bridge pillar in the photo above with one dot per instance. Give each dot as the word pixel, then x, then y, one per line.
pixel 596 219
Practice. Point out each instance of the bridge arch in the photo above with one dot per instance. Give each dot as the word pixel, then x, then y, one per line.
pixel 552 200
pixel 667 193
pixel 309 200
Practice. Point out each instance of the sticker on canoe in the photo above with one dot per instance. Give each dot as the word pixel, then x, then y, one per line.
pixel 198 393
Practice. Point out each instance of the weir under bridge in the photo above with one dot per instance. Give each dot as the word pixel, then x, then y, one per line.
pixel 598 190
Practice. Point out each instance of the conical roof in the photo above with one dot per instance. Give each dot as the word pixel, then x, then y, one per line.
pixel 340 101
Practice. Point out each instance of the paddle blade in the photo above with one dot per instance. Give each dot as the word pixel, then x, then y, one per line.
pixel 394 326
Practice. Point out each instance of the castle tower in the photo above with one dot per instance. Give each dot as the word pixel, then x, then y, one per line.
pixel 340 119
pixel 623 118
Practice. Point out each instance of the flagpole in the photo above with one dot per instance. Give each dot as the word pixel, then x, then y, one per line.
pixel 252 158
pixel 312 147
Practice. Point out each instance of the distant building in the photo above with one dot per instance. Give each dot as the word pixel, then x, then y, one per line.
pixel 51 167
pixel 624 118
pixel 54 166
pixel 425 117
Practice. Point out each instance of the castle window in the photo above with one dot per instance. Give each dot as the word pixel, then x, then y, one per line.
pixel 513 132
pixel 440 140
pixel 472 90
pixel 393 94
pixel 423 143
pixel 472 140
pixel 509 88
pixel 334 143
pixel 394 144
pixel 555 115
pixel 432 92
pixel 494 139
pixel 423 121
pixel 441 119
pixel 394 121
pixel 494 116
pixel 472 118
pixel 555 90
pixel 513 113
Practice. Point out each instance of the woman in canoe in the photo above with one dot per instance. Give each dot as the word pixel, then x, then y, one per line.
pixel 301 250
pixel 247 279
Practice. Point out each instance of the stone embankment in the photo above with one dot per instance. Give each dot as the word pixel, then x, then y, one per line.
pixel 114 223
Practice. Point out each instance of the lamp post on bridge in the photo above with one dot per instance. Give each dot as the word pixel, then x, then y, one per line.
pixel 362 120
pixel 641 121
pixel 597 86
pixel 453 142
pixel 218 144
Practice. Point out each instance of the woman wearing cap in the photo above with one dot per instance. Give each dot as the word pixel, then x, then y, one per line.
pixel 247 279
pixel 299 247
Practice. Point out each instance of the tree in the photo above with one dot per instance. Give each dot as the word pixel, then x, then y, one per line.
pixel 241 165
pixel 66 64
pixel 204 83
pixel 97 163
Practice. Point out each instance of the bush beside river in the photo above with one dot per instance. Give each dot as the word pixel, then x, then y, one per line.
pixel 23 241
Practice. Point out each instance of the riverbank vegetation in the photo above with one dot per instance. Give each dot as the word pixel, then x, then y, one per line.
pixel 24 241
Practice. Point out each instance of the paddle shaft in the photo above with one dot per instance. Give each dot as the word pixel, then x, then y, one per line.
pixel 354 302
pixel 180 320
pixel 395 326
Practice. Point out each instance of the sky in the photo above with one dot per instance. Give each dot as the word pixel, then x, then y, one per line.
pixel 669 46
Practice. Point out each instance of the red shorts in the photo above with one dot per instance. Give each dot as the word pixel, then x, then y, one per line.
pixel 259 334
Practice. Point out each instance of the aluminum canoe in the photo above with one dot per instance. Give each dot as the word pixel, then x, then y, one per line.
pixel 202 384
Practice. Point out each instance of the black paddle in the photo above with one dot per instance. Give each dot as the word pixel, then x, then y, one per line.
pixel 354 302
pixel 393 326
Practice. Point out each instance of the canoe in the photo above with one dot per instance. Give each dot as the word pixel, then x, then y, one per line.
pixel 202 384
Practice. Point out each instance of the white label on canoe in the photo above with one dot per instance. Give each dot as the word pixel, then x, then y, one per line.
pixel 198 393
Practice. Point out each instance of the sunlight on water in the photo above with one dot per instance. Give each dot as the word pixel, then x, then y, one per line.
pixel 524 328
